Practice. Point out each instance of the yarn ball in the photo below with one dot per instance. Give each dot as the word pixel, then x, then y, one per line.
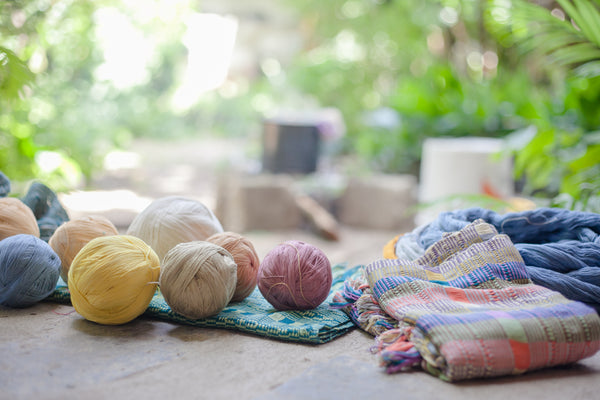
pixel 71 236
pixel 16 218
pixel 295 276
pixel 198 279
pixel 113 278
pixel 171 220
pixel 29 270
pixel 245 257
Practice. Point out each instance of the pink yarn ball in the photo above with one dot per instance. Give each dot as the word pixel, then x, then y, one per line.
pixel 295 276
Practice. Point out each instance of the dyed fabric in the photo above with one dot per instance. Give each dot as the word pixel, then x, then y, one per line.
pixel 256 316
pixel 48 211
pixel 466 309
pixel 4 185
pixel 560 248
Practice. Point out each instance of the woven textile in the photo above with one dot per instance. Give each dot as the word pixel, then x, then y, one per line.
pixel 256 316
pixel 561 248
pixel 466 308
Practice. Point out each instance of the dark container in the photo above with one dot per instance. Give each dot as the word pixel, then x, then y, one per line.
pixel 290 148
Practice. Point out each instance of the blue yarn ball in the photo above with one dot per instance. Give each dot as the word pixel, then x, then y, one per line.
pixel 29 270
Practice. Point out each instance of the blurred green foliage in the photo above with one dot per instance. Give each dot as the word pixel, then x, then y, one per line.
pixel 466 68
pixel 400 72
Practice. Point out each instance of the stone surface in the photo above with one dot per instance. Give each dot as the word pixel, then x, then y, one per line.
pixel 257 202
pixel 379 202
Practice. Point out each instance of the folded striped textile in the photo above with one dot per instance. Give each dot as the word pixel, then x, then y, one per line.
pixel 256 316
pixel 467 309
pixel 560 247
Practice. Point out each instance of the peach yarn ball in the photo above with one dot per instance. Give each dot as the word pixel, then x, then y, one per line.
pixel 245 257
pixel 171 220
pixel 70 237
pixel 16 218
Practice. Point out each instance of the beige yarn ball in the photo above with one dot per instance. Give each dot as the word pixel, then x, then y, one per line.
pixel 16 218
pixel 197 279
pixel 70 237
pixel 171 220
pixel 245 257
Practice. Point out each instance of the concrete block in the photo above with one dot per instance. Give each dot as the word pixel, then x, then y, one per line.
pixel 379 202
pixel 257 202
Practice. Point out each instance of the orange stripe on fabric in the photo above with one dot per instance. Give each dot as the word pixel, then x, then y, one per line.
pixel 456 294
pixel 389 250
pixel 521 354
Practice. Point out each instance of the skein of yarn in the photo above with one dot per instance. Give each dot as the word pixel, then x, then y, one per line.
pixel 48 211
pixel 113 278
pixel 71 236
pixel 4 185
pixel 29 270
pixel 245 257
pixel 16 218
pixel 560 247
pixel 198 279
pixel 171 220
pixel 295 276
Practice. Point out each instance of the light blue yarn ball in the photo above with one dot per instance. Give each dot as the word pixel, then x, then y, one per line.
pixel 29 270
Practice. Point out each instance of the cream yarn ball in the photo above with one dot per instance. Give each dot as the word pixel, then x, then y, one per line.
pixel 198 279
pixel 70 237
pixel 171 220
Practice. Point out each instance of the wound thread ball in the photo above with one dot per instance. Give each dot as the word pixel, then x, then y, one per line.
pixel 171 220
pixel 16 218
pixel 113 278
pixel 295 276
pixel 71 236
pixel 198 279
pixel 29 270
pixel 245 257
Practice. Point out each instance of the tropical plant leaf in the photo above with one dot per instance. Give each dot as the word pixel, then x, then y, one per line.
pixel 14 74
pixel 576 54
pixel 586 16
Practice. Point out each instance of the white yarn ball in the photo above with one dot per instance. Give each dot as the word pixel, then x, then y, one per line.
pixel 171 220
pixel 198 279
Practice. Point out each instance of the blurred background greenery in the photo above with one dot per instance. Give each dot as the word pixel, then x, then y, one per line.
pixel 80 78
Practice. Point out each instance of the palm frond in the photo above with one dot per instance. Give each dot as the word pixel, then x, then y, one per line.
pixel 572 42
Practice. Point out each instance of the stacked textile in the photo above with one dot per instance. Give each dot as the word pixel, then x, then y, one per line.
pixel 561 248
pixel 466 308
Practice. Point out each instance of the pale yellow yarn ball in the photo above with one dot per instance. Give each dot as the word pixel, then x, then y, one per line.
pixel 70 237
pixel 16 218
pixel 171 220
pixel 113 278
pixel 246 258
pixel 198 279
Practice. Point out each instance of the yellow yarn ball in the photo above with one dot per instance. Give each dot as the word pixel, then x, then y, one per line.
pixel 198 279
pixel 245 257
pixel 171 220
pixel 16 218
pixel 70 237
pixel 113 278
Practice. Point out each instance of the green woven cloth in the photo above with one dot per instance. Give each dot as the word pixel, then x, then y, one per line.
pixel 256 316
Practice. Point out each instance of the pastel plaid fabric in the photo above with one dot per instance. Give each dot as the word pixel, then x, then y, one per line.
pixel 467 309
